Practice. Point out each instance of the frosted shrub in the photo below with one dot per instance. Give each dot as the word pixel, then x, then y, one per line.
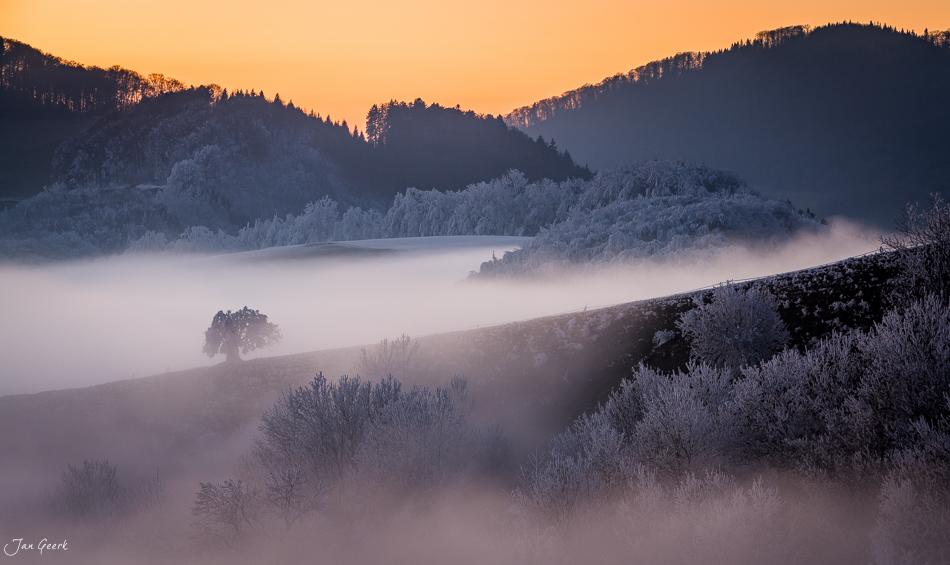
pixel 397 358
pixel 914 343
pixel 418 441
pixel 625 406
pixel 786 406
pixel 91 491
pixel 840 408
pixel 739 327
pixel 585 465
pixel 319 428
pixel 669 424
pixel 354 436
pixel 683 428
pixel 291 495
pixel 226 512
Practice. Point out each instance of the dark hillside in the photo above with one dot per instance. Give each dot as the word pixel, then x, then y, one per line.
pixel 240 153
pixel 270 156
pixel 27 148
pixel 851 119
pixel 45 100
pixel 448 149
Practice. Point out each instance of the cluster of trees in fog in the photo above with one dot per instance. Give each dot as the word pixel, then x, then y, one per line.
pixel 348 448
pixel 649 209
pixel 861 413
pixel 744 456
pixel 202 158
pixel 653 208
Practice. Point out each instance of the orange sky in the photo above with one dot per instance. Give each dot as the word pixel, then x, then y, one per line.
pixel 340 57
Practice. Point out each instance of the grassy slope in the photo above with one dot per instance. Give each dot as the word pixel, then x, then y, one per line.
pixel 532 377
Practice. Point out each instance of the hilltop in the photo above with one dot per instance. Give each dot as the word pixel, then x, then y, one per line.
pixel 850 118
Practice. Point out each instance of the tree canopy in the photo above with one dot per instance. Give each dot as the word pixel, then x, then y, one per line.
pixel 242 331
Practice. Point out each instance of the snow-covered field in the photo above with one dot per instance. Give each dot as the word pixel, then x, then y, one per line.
pixel 83 323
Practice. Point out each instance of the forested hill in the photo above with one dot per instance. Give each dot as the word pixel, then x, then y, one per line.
pixel 447 148
pixel 852 119
pixel 45 99
pixel 240 145
pixel 34 84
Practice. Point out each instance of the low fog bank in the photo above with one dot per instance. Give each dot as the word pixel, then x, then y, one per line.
pixel 706 519
pixel 84 323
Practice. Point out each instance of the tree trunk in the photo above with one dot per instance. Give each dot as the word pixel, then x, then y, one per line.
pixel 233 353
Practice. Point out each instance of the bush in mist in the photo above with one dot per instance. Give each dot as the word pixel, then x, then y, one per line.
pixel 923 246
pixel 92 494
pixel 91 491
pixel 915 501
pixel 225 512
pixel 353 430
pixel 335 447
pixel 739 327
pixel 666 425
pixel 397 358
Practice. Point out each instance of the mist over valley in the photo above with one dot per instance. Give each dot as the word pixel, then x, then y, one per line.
pixel 689 331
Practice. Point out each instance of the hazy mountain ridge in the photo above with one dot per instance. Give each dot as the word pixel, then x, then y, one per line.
pixel 849 118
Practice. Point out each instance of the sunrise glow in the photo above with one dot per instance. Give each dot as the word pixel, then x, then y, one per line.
pixel 339 58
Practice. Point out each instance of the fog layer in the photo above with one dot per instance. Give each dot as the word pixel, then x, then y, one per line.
pixel 83 323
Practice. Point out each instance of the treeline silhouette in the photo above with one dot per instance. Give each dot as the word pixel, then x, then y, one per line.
pixel 242 145
pixel 246 148
pixel 34 84
pixel 851 119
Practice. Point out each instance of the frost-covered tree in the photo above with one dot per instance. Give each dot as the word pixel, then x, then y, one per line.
pixel 330 440
pixel 923 246
pixel 854 401
pixel 224 512
pixel 233 333
pixel 739 327
pixel 397 358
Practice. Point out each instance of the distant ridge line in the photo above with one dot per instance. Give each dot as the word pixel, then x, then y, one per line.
pixel 679 64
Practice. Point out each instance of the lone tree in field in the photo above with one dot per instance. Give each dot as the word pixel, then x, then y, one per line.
pixel 233 333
